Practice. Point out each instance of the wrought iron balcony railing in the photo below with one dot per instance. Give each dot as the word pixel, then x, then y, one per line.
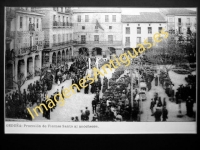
pixel 97 42
pixel 61 43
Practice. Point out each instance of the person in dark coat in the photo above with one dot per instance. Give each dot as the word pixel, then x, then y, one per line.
pixel 93 87
pixel 156 81
pixel 152 106
pixel 158 112
pixel 87 113
pixel 48 114
pixel 135 110
pixel 86 88
pixel 24 96
pixel 164 113
pixel 83 116
pixel 189 106
pixel 97 96
pixel 94 105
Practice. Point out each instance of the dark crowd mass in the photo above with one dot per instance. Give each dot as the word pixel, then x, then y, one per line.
pixel 115 103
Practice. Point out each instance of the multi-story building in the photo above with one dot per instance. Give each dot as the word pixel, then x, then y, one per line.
pixel 58 35
pixel 97 31
pixel 137 28
pixel 180 20
pixel 24 42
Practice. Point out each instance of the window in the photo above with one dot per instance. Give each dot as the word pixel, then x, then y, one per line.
pixel 110 27
pixel 63 37
pixel 127 30
pixel 54 17
pixel 96 38
pixel 127 43
pixel 138 40
pixel 179 30
pixel 30 20
pixel 149 30
pixel 20 23
pixel 54 38
pixel 150 40
pixel 61 9
pixel 37 25
pixel 54 8
pixel 36 41
pixel 86 18
pixel 58 38
pixel 67 37
pixel 159 29
pixel 79 18
pixel 110 38
pixel 179 19
pixel 70 36
pixel 138 30
pixel 83 27
pixel 96 27
pixel 113 18
pixel 83 39
pixel 58 18
pixel 106 18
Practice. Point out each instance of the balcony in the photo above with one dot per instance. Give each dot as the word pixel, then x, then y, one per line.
pixel 31 27
pixel 115 43
pixel 61 44
pixel 188 24
pixel 29 10
pixel 61 24
pixel 10 14
pixel 180 24
pixel 46 44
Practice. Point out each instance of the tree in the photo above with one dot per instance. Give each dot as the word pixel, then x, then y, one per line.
pixel 168 53
pixel 20 82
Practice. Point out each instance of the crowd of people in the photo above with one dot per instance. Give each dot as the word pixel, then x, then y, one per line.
pixel 113 105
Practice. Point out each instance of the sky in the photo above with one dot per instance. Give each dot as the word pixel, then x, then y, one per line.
pixel 135 11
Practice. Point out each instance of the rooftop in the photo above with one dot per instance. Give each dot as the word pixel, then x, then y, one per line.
pixel 97 10
pixel 144 17
pixel 177 11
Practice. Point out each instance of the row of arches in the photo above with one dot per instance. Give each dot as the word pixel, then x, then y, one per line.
pixel 28 66
pixel 95 51
pixel 60 57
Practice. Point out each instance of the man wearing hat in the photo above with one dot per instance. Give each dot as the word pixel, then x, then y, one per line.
pixel 94 105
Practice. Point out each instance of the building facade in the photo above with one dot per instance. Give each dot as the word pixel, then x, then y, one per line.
pixel 97 32
pixel 137 28
pixel 180 20
pixel 24 42
pixel 58 35
pixel 38 37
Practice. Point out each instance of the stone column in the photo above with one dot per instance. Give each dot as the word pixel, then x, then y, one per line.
pixel 33 66
pixel 89 63
pixel 40 57
pixel 25 67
